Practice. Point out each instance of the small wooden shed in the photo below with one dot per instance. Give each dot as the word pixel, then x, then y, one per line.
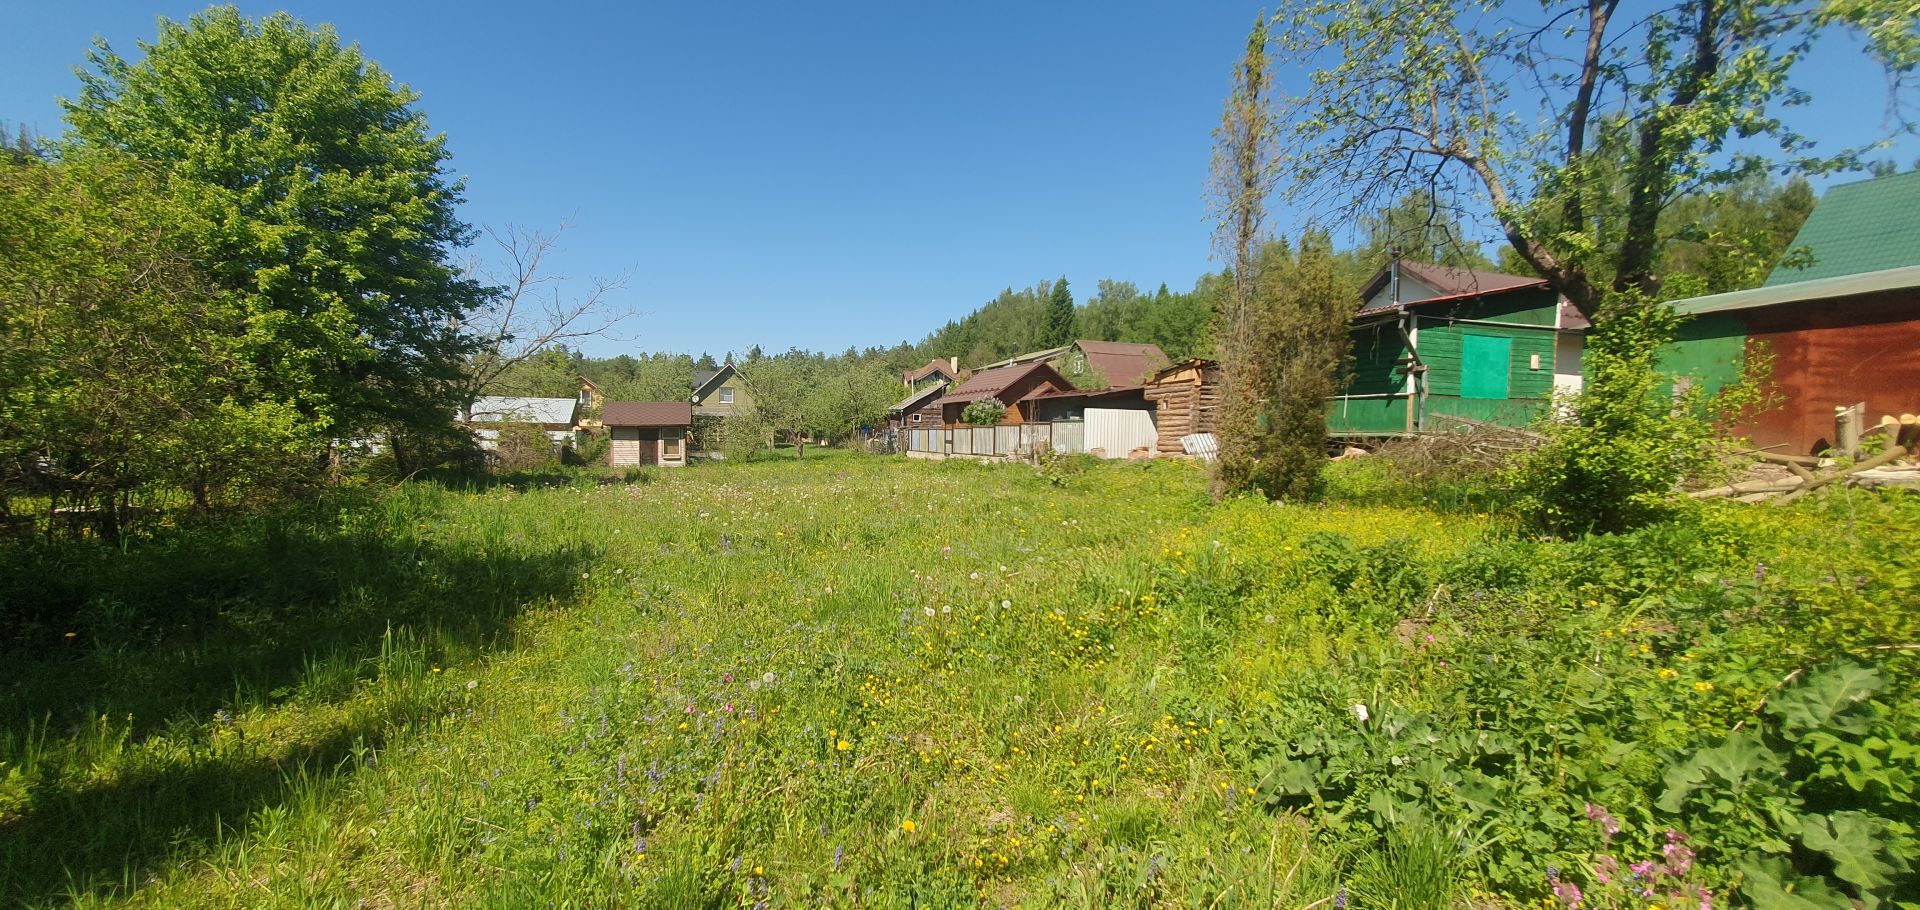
pixel 648 433
pixel 1186 400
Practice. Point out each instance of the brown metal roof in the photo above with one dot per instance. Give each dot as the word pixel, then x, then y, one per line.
pixel 1450 281
pixel 1122 363
pixel 988 383
pixel 647 414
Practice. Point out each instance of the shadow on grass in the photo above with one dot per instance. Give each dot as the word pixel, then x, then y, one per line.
pixel 171 634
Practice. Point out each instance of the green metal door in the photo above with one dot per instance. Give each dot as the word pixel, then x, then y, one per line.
pixel 1484 363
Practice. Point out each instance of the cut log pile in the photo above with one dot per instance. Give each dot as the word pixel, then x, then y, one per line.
pixel 1185 403
pixel 1893 466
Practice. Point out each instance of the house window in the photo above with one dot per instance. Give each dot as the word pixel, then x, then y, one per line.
pixel 1079 363
pixel 726 396
pixel 586 398
pixel 916 418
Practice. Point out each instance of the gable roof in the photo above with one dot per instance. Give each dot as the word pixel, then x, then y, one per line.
pixel 647 414
pixel 1451 282
pixel 990 383
pixel 936 366
pixel 1121 362
pixel 918 400
pixel 511 409
pixel 702 379
pixel 1866 226
pixel 1907 278
pixel 1039 356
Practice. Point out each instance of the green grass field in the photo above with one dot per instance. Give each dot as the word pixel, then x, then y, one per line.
pixel 868 682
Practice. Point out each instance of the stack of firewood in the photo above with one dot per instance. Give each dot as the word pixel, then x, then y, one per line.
pixel 1892 466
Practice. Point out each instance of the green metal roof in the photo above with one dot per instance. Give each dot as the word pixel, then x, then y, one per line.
pixel 1868 226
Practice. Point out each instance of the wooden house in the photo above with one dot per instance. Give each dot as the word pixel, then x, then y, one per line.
pixel 919 410
pixel 716 396
pixel 1014 387
pixel 648 432
pixel 1843 332
pixel 1107 363
pixel 1112 363
pixel 1186 400
pixel 590 401
pixel 936 372
pixel 720 393
pixel 1435 346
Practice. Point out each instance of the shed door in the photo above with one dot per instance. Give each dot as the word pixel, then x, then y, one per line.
pixel 1484 363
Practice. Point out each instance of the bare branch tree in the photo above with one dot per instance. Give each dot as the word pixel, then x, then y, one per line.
pixel 532 309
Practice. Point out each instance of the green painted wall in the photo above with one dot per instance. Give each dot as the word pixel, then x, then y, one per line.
pixel 1367 416
pixel 742 398
pixel 1512 412
pixel 1712 349
pixel 1377 355
pixel 1378 352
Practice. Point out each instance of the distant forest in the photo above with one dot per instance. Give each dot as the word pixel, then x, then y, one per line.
pixel 1715 242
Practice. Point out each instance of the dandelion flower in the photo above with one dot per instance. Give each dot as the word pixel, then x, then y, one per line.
pixel 908 826
pixel 843 745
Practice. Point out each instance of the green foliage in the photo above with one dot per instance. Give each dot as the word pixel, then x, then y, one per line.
pixel 1017 321
pixel 1273 434
pixel 1177 323
pixel 123 369
pixel 1823 791
pixel 984 412
pixel 1076 710
pixel 322 206
pixel 1419 867
pixel 524 447
pixel 1060 315
pixel 1731 239
pixel 1617 463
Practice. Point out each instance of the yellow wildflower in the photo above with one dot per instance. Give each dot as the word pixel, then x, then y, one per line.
pixel 908 826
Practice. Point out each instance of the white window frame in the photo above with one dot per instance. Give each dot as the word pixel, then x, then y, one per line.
pixel 726 396
pixel 916 418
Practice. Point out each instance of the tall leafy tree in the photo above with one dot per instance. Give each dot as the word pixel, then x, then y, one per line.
pixel 1573 126
pixel 123 367
pixel 1243 165
pixel 330 213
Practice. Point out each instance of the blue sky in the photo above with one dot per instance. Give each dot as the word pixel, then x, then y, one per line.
pixel 814 174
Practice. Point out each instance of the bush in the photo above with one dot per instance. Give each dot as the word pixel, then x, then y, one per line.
pixel 1617 464
pixel 523 447
pixel 983 413
pixel 593 453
